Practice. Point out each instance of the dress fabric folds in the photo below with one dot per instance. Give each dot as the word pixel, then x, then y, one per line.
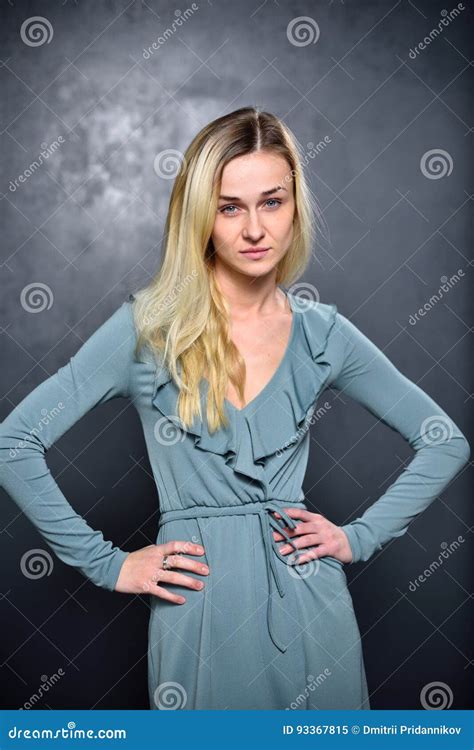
pixel 263 633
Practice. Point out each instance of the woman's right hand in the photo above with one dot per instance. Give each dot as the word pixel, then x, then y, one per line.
pixel 142 571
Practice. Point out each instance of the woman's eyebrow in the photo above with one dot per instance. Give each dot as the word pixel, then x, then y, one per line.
pixel 263 193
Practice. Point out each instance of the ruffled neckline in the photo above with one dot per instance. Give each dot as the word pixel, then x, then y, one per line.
pixel 268 387
pixel 273 420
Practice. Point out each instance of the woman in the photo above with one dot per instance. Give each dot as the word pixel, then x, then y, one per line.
pixel 225 367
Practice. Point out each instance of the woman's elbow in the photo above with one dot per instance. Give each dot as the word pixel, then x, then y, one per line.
pixel 464 450
pixel 458 447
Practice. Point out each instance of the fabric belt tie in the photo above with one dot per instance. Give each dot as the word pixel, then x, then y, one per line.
pixel 267 524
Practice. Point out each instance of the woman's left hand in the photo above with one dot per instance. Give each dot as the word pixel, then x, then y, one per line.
pixel 314 529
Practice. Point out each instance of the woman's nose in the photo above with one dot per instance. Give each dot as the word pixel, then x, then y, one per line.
pixel 253 227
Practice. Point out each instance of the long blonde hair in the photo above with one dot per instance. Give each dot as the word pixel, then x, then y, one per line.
pixel 181 315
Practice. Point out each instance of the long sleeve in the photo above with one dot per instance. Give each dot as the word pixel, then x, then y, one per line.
pixel 98 372
pixel 363 372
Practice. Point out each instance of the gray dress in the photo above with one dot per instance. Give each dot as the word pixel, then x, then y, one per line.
pixel 263 633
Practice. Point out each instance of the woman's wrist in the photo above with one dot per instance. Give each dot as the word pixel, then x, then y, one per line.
pixel 353 542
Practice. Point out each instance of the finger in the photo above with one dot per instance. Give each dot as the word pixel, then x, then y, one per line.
pixel 311 554
pixel 303 513
pixel 324 549
pixel 178 547
pixel 302 557
pixel 301 528
pixel 178 579
pixel 163 593
pixel 289 532
pixel 186 563
pixel 307 540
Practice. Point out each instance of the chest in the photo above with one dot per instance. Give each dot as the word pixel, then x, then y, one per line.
pixel 263 347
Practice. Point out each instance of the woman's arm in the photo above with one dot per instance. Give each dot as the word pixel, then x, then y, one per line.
pixel 361 370
pixel 98 372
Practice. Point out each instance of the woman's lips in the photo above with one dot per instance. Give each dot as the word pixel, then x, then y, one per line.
pixel 255 252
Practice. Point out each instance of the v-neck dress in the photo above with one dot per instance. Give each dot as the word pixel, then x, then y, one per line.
pixel 262 633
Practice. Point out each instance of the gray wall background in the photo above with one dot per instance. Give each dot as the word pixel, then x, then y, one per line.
pixel 84 229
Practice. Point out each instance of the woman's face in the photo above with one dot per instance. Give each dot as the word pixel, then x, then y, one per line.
pixel 255 210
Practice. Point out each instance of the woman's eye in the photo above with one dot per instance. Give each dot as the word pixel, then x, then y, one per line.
pixel 275 200
pixel 224 210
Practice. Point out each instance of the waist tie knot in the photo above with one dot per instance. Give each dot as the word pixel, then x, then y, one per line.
pixel 268 523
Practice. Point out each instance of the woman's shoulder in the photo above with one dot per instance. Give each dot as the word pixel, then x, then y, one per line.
pixel 119 325
pixel 329 334
pixel 325 323
pixel 111 344
pixel 318 320
pixel 321 313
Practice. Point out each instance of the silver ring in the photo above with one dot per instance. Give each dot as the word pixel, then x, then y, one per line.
pixel 165 564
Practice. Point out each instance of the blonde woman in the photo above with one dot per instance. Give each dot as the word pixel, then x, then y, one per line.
pixel 224 366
